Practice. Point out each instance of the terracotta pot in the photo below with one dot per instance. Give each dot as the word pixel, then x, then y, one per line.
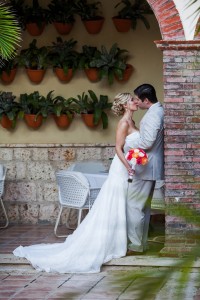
pixel 35 76
pixel 63 121
pixel 127 73
pixel 63 28
pixel 6 122
pixel 33 121
pixel 94 26
pixel 8 78
pixel 34 30
pixel 89 120
pixel 122 25
pixel 92 74
pixel 62 76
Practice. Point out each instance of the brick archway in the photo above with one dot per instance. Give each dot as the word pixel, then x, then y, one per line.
pixel 168 18
pixel 181 78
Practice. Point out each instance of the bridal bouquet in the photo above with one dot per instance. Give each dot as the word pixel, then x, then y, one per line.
pixel 135 157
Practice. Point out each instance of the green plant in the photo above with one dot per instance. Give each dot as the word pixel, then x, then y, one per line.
pixel 33 57
pixel 8 65
pixel 64 106
pixel 35 14
pixel 62 55
pixel 86 10
pixel 59 105
pixel 134 10
pixel 18 8
pixel 10 32
pixel 61 11
pixel 91 104
pixel 35 104
pixel 9 107
pixel 110 63
pixel 87 55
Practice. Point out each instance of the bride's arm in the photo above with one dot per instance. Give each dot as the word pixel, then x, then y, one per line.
pixel 121 133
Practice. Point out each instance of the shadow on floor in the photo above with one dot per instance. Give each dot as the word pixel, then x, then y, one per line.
pixel 15 235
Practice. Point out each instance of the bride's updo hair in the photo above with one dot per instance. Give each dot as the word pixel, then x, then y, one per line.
pixel 119 101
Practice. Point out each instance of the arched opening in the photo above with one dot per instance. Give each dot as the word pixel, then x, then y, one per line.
pixel 168 18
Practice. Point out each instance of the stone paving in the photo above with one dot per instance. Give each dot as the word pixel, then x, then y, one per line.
pixel 120 279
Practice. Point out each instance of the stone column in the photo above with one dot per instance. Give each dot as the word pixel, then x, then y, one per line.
pixel 181 63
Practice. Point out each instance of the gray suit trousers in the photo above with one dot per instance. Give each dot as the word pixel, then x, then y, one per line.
pixel 139 198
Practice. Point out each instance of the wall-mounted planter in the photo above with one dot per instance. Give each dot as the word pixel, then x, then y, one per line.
pixel 122 25
pixel 63 28
pixel 6 122
pixel 62 76
pixel 8 78
pixel 127 73
pixel 62 121
pixel 92 74
pixel 35 76
pixel 94 26
pixel 89 120
pixel 35 30
pixel 33 121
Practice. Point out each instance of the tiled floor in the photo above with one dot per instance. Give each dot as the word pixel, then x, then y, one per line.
pixel 24 235
pixel 20 281
pixel 15 235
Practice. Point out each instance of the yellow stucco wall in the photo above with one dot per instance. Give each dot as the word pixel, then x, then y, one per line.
pixel 145 57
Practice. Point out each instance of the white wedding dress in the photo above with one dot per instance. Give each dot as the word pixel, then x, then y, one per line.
pixel 101 236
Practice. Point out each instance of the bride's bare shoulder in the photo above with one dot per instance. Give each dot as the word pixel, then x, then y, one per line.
pixel 123 124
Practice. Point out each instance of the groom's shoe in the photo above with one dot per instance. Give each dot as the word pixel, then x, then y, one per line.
pixel 132 253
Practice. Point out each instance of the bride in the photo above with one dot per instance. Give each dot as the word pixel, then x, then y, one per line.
pixel 102 235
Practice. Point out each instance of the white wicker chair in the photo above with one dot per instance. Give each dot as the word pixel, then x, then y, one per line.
pixel 2 182
pixel 74 192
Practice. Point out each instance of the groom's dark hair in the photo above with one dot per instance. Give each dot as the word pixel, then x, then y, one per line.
pixel 146 91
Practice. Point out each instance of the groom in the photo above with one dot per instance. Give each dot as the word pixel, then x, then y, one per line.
pixel 140 191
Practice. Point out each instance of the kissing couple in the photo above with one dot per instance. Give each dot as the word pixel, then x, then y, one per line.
pixel 119 218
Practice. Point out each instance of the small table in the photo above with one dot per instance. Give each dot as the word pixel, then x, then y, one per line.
pixel 96 180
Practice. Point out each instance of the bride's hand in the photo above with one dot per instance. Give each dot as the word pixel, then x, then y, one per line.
pixel 131 171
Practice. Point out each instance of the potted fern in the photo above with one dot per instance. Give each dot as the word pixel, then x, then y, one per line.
pixel 111 63
pixel 35 18
pixel 34 108
pixel 8 70
pixel 63 110
pixel 9 110
pixel 131 11
pixel 90 15
pixel 61 14
pixel 35 60
pixel 93 108
pixel 64 59
pixel 86 56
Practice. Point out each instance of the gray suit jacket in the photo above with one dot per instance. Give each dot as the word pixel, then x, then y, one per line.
pixel 152 141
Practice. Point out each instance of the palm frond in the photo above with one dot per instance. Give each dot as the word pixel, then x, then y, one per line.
pixel 10 33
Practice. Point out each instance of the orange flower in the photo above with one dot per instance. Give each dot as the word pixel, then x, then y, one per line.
pixel 144 160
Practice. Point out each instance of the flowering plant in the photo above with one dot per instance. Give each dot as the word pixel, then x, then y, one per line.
pixel 135 157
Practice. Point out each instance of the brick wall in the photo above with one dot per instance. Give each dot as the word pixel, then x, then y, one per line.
pixel 182 137
pixel 30 191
